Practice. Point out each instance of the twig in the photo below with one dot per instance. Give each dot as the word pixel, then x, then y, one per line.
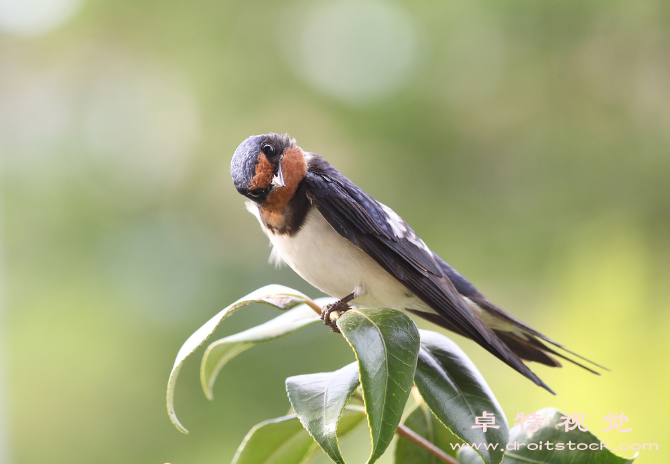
pixel 312 304
pixel 417 439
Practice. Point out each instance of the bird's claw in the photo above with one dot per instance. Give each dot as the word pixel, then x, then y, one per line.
pixel 332 312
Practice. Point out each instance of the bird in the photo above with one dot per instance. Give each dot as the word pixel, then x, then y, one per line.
pixel 352 247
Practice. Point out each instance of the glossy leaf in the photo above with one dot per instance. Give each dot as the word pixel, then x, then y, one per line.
pixel 386 344
pixel 422 421
pixel 274 295
pixel 285 441
pixel 549 433
pixel 456 392
pixel 318 400
pixel 221 351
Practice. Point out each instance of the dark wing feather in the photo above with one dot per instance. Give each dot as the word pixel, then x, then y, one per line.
pixel 363 221
pixel 531 347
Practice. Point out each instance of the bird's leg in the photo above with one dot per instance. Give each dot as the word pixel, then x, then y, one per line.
pixel 332 312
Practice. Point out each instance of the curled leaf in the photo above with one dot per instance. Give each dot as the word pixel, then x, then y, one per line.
pixel 280 297
pixel 221 351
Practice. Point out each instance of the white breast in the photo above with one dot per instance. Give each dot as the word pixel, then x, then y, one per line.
pixel 335 266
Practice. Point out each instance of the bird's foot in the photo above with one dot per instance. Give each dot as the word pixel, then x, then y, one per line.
pixel 332 312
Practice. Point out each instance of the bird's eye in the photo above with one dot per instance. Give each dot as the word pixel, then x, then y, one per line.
pixel 255 193
pixel 268 149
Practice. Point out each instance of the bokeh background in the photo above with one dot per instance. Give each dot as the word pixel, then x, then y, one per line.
pixel 527 142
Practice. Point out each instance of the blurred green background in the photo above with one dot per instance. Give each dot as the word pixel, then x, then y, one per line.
pixel 527 142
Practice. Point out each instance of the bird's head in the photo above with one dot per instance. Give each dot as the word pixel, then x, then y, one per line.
pixel 263 164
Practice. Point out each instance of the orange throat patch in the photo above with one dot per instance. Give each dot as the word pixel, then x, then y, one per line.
pixel 294 168
pixel 263 174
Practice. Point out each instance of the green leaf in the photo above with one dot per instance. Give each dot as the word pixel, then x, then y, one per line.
pixel 422 421
pixel 274 295
pixel 549 433
pixel 285 441
pixel 221 351
pixel 386 344
pixel 318 400
pixel 456 392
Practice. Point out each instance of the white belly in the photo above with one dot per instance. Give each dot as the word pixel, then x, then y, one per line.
pixel 335 266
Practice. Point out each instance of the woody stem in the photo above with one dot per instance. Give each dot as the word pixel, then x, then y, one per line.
pixel 312 304
pixel 417 439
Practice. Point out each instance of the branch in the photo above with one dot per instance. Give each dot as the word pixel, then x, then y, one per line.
pixel 312 304
pixel 417 439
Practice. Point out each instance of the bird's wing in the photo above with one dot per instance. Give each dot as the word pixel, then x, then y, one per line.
pixel 521 338
pixel 384 236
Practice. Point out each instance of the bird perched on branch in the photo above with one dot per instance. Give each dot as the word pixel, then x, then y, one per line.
pixel 352 247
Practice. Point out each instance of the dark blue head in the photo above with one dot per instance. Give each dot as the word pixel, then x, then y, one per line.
pixel 256 165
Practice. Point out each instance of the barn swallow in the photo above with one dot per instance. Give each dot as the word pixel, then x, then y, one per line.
pixel 352 247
